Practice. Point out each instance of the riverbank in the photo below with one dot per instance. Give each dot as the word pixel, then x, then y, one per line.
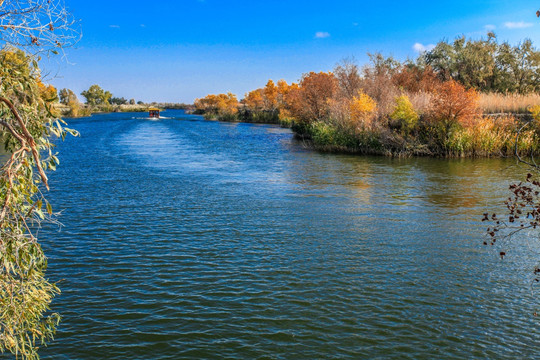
pixel 83 110
pixel 487 137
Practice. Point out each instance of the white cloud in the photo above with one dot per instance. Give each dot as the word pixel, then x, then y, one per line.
pixel 517 25
pixel 114 26
pixel 322 35
pixel 423 48
pixel 489 27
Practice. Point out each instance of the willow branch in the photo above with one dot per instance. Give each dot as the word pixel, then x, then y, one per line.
pixel 12 131
pixel 29 138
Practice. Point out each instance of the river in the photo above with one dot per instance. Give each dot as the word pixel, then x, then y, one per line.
pixel 192 239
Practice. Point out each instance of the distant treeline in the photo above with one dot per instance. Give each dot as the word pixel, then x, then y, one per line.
pixel 429 106
pixel 100 100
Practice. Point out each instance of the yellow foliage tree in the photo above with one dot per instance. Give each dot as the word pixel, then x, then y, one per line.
pixel 270 96
pixel 362 109
pixel 221 105
pixel 254 100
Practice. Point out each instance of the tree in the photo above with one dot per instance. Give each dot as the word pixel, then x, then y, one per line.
pixel 95 95
pixel 453 104
pixel 349 79
pixel 486 65
pixel 27 123
pixel 310 102
pixel 67 96
pixel 254 100
pixel 25 128
pixel 270 92
pixel 118 101
pixel 222 106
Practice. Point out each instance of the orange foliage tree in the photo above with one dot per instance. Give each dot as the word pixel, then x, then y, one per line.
pixel 453 104
pixel 414 79
pixel 311 101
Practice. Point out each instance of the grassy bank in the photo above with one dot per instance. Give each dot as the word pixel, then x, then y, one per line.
pixel 486 137
pixel 82 110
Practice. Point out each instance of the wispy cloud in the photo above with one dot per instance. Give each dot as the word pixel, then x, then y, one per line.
pixel 489 27
pixel 322 35
pixel 418 47
pixel 517 25
pixel 114 26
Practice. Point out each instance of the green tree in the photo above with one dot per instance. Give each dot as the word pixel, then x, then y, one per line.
pixel 118 101
pixel 486 65
pixel 95 95
pixel 67 96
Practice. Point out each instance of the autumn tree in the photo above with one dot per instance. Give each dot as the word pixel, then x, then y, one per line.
pixel 270 96
pixel 221 106
pixel 452 107
pixel 349 80
pixel 378 84
pixel 311 101
pixel 254 100
pixel 267 104
pixel 362 108
pixel 453 104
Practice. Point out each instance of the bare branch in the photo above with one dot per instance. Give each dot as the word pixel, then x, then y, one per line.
pixel 37 25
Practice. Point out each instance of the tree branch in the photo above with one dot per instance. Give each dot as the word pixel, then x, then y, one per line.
pixel 29 139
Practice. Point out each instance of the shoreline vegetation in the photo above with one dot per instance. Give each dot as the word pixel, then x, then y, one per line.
pixel 466 98
pixel 66 103
pixel 83 110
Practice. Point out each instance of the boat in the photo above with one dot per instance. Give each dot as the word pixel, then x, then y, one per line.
pixel 153 113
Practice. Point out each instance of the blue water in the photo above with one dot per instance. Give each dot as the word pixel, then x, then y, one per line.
pixel 190 239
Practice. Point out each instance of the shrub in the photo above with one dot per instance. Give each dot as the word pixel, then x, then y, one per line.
pixel 453 104
pixel 405 114
pixel 535 112
pixel 362 109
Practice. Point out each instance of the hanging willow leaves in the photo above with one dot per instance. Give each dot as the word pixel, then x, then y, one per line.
pixel 28 128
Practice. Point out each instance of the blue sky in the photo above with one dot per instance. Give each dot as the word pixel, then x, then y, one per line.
pixel 179 50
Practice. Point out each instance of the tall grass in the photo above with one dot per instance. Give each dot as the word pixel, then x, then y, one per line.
pixel 494 103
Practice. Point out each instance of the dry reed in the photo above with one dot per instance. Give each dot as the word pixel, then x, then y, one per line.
pixel 494 103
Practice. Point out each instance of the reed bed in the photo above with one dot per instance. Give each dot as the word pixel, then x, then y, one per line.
pixel 493 103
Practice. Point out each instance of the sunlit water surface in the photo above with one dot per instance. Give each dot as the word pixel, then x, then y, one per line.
pixel 188 239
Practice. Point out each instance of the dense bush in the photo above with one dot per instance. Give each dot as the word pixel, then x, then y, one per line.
pixel 429 107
